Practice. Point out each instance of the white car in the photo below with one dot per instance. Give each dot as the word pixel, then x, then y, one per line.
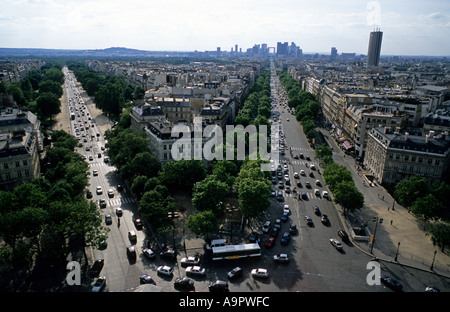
pixel 260 273
pixel 281 258
pixel 190 261
pixel 165 269
pixel 95 172
pixel 337 244
pixel 296 175
pixel 317 192
pixel 325 194
pixel 286 209
pixel 99 190
pixel 197 270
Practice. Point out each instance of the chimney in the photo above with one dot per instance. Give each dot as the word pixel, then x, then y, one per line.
pixel 406 136
pixel 387 130
pixel 426 138
pixel 431 134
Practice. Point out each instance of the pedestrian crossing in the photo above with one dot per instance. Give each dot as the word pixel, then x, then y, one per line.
pixel 119 201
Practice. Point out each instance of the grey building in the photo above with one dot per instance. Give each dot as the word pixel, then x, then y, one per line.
pixel 374 51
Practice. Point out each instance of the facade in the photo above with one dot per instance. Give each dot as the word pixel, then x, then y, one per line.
pixel 392 156
pixel 20 145
pixel 374 51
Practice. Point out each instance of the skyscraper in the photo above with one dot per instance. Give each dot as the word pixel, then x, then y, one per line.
pixel 373 53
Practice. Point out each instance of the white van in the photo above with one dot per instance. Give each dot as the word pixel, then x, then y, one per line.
pixel 216 243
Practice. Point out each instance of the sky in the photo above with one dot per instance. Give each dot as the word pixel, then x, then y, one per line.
pixel 409 27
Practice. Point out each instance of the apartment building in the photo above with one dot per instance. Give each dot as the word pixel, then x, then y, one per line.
pixel 20 145
pixel 392 156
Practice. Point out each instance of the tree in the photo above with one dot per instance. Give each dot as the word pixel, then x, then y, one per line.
pixel 54 74
pixel 155 207
pixel 48 104
pixel 408 190
pixel 426 208
pixel 182 173
pixel 142 164
pixel 253 197
pixel 51 86
pixel 109 98
pixel 124 145
pixel 348 196
pixel 334 174
pixel 209 193
pixel 202 223
pixel 440 234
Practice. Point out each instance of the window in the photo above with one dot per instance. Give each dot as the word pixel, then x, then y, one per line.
pixel 17 164
pixel 436 162
pixel 406 157
pixel 5 165
pixel 420 159
pixel 25 162
pixel 405 167
pixel 430 161
pixel 27 173
pixel 19 174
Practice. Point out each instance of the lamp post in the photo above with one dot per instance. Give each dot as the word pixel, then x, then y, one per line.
pixel 432 262
pixel 396 254
pixel 376 220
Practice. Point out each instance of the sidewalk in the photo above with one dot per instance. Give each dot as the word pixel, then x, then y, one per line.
pixel 400 238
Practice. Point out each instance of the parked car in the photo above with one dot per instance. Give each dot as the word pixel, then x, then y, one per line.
pixel 190 261
pixel 269 243
pixel 168 254
pixel 99 284
pixel 195 270
pixel 132 236
pixel 165 270
pixel 97 266
pixel 293 229
pixel 148 253
pixel 336 244
pixel 102 203
pixel 131 252
pixel 260 272
pixel 342 234
pixel 184 282
pixel 146 279
pixel 234 273
pixel 108 219
pixel 266 227
pixel 218 286
pixel 283 258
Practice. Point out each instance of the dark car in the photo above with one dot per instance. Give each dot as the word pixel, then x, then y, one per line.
pixel 325 219
pixel 97 266
pixel 391 283
pixel 146 279
pixel 285 238
pixel 342 234
pixel 168 254
pixel 138 223
pixel 131 252
pixel 253 237
pixel 218 286
pixel 304 196
pixel 236 272
pixel 316 210
pixel 184 282
pixel 293 229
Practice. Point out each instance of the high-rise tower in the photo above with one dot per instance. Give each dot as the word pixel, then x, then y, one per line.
pixel 373 54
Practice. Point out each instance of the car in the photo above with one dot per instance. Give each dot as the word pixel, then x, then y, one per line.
pixel 146 279
pixel 95 172
pixel 311 174
pixel 299 184
pixel 296 175
pixel 318 183
pixel 99 190
pixel 284 217
pixel 285 238
pixel 132 236
pixel 218 286
pixel 280 196
pixel 253 238
pixel 342 234
pixel 150 254
pixel 304 196
pixel 317 192
pixel 195 270
pixel 108 219
pixel 273 194
pixel 337 244
pixel 138 223
pixel 184 282
pixel 325 194
pixel 280 185
pixel 168 254
pixel 119 187
pixel 432 289
pixel 91 157
pixel 302 156
pixel 325 219
pixel 270 242
pixel 99 284
pixel 110 193
pixel 308 220
pixel 102 203
pixel 307 184
pixel 283 258
pixel 97 266
pixel 316 210
pixel 165 270
pixel 190 261
pixel 391 283
pixel 266 227
pixel 234 273
pixel 119 212
pixel 260 272
pixel 303 173
pixel 308 158
pixel 288 189
pixel 277 224
pixel 293 229
pixel 274 180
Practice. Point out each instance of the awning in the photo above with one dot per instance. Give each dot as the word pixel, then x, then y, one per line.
pixel 347 145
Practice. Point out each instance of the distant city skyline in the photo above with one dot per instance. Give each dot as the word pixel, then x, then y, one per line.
pixel 409 27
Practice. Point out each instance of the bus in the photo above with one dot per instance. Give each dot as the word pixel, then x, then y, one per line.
pixel 236 251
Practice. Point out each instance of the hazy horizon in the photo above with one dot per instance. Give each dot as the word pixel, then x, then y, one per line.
pixel 414 28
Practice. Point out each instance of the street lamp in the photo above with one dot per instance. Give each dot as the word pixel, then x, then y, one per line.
pixel 396 254
pixel 432 262
pixel 376 220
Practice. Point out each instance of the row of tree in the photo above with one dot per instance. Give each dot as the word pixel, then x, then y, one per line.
pixel 427 203
pixel 305 104
pixel 40 91
pixel 43 218
pixel 110 93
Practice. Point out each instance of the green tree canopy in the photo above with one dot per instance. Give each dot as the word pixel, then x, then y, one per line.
pixel 408 190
